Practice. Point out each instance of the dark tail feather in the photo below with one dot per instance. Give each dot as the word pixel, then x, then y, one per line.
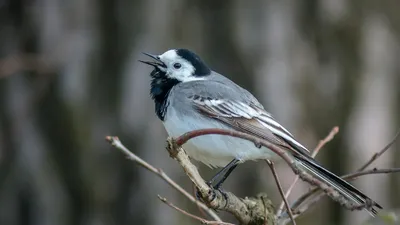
pixel 340 185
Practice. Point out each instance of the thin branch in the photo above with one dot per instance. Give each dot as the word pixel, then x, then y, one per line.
pixel 194 195
pixel 357 174
pixel 115 142
pixel 318 195
pixel 321 144
pixel 378 154
pixel 203 221
pixel 315 195
pixel 327 139
pixel 179 141
pixel 278 183
pixel 298 210
pixel 289 190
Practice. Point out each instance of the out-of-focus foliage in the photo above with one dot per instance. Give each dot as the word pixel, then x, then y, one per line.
pixel 69 76
pixel 385 218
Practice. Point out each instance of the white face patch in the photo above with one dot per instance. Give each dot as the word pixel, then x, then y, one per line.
pixel 184 73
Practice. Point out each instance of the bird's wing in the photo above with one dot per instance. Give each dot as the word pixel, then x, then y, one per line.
pixel 249 118
pixel 245 114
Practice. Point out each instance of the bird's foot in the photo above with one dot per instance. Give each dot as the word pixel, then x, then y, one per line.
pixel 213 189
pixel 198 193
pixel 222 192
pixel 212 194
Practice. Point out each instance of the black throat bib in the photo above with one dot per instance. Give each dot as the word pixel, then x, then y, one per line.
pixel 160 87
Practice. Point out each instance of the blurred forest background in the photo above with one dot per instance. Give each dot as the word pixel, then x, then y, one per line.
pixel 69 76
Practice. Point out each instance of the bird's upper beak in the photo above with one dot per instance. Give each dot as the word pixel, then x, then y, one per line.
pixel 157 63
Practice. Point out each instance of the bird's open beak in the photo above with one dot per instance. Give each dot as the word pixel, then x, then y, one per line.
pixel 157 63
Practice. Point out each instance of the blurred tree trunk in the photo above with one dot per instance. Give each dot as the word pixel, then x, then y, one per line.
pixel 371 127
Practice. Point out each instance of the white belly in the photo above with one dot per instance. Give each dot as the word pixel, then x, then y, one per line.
pixel 214 150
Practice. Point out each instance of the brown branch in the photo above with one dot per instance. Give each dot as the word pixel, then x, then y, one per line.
pixel 115 142
pixel 194 191
pixel 179 141
pixel 327 139
pixel 378 154
pixel 203 221
pixel 278 183
pixel 357 174
pixel 298 210
pixel 321 144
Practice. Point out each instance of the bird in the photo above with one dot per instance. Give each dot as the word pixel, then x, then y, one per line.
pixel 188 95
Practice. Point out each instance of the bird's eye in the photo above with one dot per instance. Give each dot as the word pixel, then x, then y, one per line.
pixel 177 65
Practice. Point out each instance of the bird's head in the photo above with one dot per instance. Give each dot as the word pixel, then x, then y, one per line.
pixel 178 64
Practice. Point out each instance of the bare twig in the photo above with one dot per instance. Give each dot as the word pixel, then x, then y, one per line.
pixel 194 195
pixel 203 221
pixel 318 195
pixel 378 154
pixel 303 203
pixel 179 141
pixel 327 139
pixel 289 190
pixel 300 206
pixel 321 144
pixel 278 183
pixel 314 195
pixel 357 174
pixel 114 141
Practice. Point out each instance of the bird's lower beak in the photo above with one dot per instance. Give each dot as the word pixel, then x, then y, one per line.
pixel 157 63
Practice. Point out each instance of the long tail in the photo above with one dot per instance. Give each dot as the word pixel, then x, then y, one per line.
pixel 343 187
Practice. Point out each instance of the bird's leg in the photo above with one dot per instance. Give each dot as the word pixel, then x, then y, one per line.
pixel 226 171
pixel 218 174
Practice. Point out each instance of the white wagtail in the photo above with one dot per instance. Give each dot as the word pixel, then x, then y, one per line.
pixel 189 96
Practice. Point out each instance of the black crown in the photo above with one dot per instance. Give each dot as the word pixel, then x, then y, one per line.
pixel 201 69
